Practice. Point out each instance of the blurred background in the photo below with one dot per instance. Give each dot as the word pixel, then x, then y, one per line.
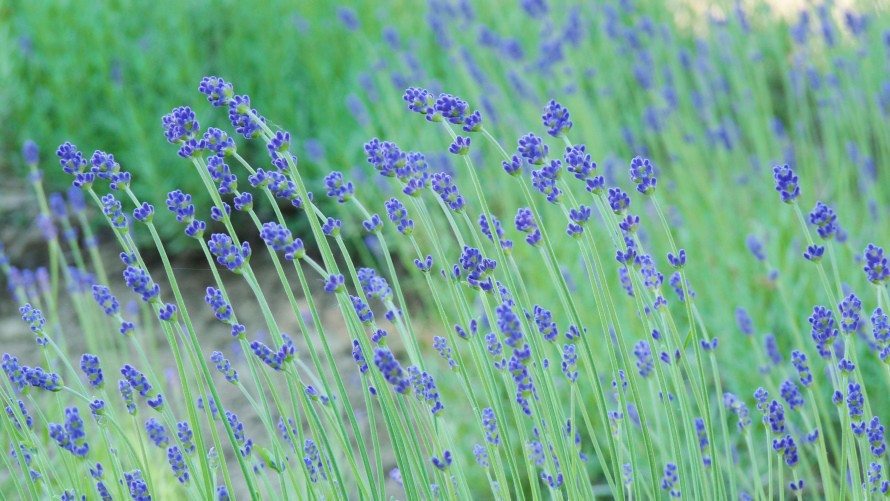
pixel 101 74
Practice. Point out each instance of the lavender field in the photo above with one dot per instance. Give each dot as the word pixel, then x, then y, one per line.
pixel 452 250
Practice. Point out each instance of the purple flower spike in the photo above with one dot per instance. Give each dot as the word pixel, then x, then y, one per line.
pixel 460 146
pixel 335 283
pixel 217 90
pixel 875 268
pixel 786 183
pixel 642 173
pixel 533 149
pixel 678 261
pixel 557 119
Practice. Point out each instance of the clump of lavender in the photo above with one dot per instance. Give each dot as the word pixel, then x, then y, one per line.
pixel 481 360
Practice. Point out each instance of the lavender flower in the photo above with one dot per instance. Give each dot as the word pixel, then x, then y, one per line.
pixel 642 173
pixel 180 204
pixel 545 180
pixel 678 261
pixel 374 285
pixel 875 434
pixel 876 269
pixel 30 152
pixel 791 395
pixel 644 362
pixel 242 117
pixel 460 146
pixel 443 185
pixel 374 224
pixel 441 346
pixel 29 421
pixel 485 226
pixel 855 401
pixel 579 162
pixel 444 462
pixel 799 361
pixel 359 357
pixel 71 160
pixel 569 359
pixel 185 436
pixel 33 317
pixel 738 408
pixel 513 167
pixel 39 378
pixel 525 222
pixel 331 227
pixel 89 364
pixel 141 283
pixel 126 391
pixel 137 486
pixel 775 417
pixel 451 108
pixel 419 100
pixel 398 214
pixel 335 283
pixel 338 187
pixel 814 253
pixel 104 166
pixel 157 433
pixel 618 201
pixel 71 435
pixel 195 229
pixel 823 331
pixel 703 442
pixel 218 142
pixel 224 367
pixel 137 381
pixel 850 307
pixel 228 253
pixel 557 119
pixel 772 349
pixel 425 390
pixel 313 461
pixel 217 90
pixel 669 480
pixel 180 125
pixel 825 220
pixel 177 463
pixel 473 122
pixel 221 309
pixel 544 322
pixel 786 183
pixel 167 312
pixel 279 238
pixel 532 149
pixel 880 327
pixel 755 247
pixel 111 207
pixel 393 373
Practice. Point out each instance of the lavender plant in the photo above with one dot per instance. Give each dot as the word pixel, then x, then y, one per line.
pixel 431 364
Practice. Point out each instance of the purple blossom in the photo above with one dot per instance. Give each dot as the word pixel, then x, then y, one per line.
pixel 460 146
pixel 876 269
pixel 217 90
pixel 557 119
pixel 786 183
pixel 532 149
pixel 642 173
